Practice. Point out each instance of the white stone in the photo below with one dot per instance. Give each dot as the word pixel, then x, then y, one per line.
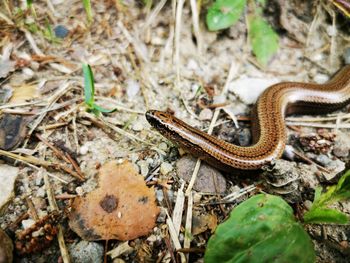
pixel 248 89
pixel 84 149
pixel 205 115
pixel 132 88
pixel 165 168
pixel 321 78
pixel 8 176
pixel 27 223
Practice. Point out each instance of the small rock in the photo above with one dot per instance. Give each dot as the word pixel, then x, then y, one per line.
pixel 27 223
pixel 152 238
pixel 138 125
pixel 5 95
pixel 324 160
pixel 341 146
pixel 346 56
pixel 144 167
pixel 86 252
pixel 205 115
pixel 61 31
pixel 132 88
pixel 162 216
pixel 6 248
pixel 321 78
pixel 244 137
pixel 335 166
pixel 163 146
pixel 249 89
pixel 209 180
pixel 165 168
pixel 308 204
pixel 84 149
pixel 41 192
pixel 159 195
pixel 8 176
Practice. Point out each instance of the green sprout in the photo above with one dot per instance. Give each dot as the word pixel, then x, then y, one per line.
pixel 88 10
pixel 89 91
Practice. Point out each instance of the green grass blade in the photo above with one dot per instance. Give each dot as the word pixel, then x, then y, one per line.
pixel 88 10
pixel 89 87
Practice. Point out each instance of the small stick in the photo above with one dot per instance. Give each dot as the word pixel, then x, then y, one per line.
pixel 64 156
pixel 53 205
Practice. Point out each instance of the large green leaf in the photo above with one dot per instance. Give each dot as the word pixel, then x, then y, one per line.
pixel 261 229
pixel 263 38
pixel 224 13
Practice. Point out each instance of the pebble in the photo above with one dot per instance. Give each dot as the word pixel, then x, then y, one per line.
pixel 61 31
pixel 324 160
pixel 84 149
pixel 162 216
pixel 321 78
pixel 6 248
pixel 341 146
pixel 165 168
pixel 159 195
pixel 346 56
pixel 209 179
pixel 244 137
pixel 26 223
pixel 163 146
pixel 138 125
pixel 79 190
pixel 249 89
pixel 132 88
pixel 307 204
pixel 205 114
pixel 8 176
pixel 41 192
pixel 86 252
pixel 144 167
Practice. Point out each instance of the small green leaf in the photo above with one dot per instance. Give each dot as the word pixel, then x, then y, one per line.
pixel 89 87
pixel 29 3
pixel 103 110
pixel 263 38
pixel 224 13
pixel 342 190
pixel 325 215
pixel 88 10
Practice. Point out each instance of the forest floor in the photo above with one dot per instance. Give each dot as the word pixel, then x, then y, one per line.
pixel 55 151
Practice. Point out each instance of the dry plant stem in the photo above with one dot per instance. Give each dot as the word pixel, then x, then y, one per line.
pixel 31 208
pixel 52 126
pixel 188 224
pixel 33 160
pixel 196 28
pixel 330 117
pixel 60 236
pixel 319 125
pixel 116 105
pixel 64 156
pixel 178 21
pixel 178 209
pixel 153 15
pixel 306 159
pixel 174 236
pixel 138 74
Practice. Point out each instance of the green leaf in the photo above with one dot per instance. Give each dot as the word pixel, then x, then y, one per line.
pixel 29 3
pixel 342 190
pixel 263 38
pixel 325 215
pixel 261 229
pixel 89 87
pixel 100 109
pixel 224 13
pixel 88 10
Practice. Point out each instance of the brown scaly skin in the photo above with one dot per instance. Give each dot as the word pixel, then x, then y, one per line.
pixel 269 131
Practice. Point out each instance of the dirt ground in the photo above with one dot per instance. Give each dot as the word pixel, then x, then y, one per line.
pixel 154 58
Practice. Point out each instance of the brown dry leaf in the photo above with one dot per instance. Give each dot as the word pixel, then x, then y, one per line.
pixel 122 207
pixel 203 222
pixel 24 93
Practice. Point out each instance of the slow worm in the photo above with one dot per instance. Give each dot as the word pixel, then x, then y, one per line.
pixel 268 127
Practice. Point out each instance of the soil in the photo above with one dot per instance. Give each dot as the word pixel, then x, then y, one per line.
pixel 141 59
